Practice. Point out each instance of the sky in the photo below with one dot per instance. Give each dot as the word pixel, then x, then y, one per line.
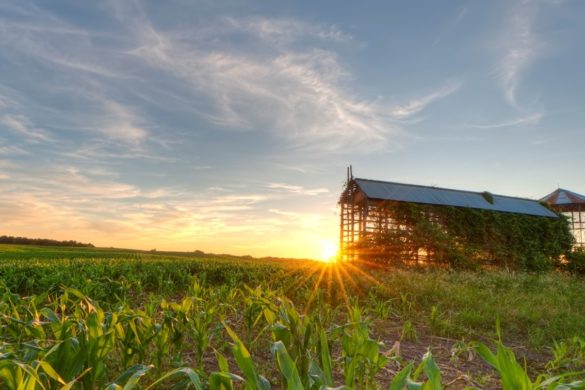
pixel 227 126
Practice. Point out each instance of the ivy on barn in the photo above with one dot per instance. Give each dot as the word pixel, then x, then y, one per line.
pixel 466 238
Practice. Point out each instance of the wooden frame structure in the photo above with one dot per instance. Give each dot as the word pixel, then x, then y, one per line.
pixel 577 222
pixel 352 212
pixel 366 210
pixel 362 217
pixel 571 205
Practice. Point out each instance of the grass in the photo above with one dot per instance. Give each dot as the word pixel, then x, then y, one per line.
pixel 535 308
pixel 138 316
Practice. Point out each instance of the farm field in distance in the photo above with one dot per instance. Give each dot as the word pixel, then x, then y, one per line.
pixel 98 317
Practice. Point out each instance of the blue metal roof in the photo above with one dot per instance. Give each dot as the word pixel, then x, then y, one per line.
pixel 383 190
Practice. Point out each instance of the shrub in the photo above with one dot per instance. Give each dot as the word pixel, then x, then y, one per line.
pixel 575 261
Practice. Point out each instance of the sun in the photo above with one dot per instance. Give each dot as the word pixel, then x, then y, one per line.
pixel 328 251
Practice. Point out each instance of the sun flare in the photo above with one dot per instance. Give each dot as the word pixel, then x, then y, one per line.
pixel 329 251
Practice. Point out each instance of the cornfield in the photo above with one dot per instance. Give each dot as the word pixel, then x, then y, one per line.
pixel 148 322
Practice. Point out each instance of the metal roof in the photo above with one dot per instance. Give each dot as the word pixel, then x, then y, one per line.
pixel 382 190
pixel 562 197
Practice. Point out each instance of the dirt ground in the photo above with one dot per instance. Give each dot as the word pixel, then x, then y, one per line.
pixel 460 366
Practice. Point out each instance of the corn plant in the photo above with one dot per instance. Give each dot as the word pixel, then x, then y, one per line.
pixel 407 378
pixel 297 334
pixel 362 356
pixel 514 376
pixel 568 354
pixel 253 380
pixel 408 331
pixel 205 321
pixel 183 378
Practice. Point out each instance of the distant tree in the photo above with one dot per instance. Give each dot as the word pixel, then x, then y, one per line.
pixel 41 241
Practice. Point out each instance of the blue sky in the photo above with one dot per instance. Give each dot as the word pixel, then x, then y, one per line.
pixel 227 126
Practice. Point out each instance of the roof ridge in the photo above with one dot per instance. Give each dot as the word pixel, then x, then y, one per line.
pixel 575 194
pixel 568 193
pixel 448 189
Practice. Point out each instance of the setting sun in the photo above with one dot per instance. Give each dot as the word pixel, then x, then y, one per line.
pixel 329 251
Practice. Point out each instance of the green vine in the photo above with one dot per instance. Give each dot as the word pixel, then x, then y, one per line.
pixel 467 238
pixel 488 197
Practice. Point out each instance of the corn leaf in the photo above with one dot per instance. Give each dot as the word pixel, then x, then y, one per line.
pixel 189 373
pixel 400 380
pixel 287 366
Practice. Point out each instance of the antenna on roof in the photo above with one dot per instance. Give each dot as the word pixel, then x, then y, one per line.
pixel 349 174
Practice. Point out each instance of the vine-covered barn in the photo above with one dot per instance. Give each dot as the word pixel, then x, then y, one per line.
pixel 395 222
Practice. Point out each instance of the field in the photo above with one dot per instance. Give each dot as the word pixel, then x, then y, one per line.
pixel 108 318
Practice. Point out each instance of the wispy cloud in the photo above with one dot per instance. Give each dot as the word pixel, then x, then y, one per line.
pixel 417 105
pixel 97 206
pixel 297 189
pixel 520 46
pixel 295 94
pixel 314 112
pixel 284 31
pixel 5 101
pixel 13 150
pixel 104 209
pixel 121 123
pixel 23 126
pixel 283 77
pixel 532 119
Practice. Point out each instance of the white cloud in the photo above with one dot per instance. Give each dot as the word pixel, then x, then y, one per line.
pixel 5 101
pixel 11 149
pixel 237 199
pixel 298 189
pixel 419 104
pixel 270 83
pixel 93 202
pixel 532 119
pixel 22 125
pixel 520 46
pixel 121 123
pixel 298 95
pixel 284 31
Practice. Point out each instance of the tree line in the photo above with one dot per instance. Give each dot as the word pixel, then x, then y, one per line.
pixel 42 241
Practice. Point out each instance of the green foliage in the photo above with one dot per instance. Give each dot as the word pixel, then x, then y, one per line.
pixel 409 379
pixel 362 355
pixel 287 366
pixel 466 238
pixel 568 354
pixel 575 262
pixel 408 331
pixel 254 381
pixel 488 197
pixel 513 376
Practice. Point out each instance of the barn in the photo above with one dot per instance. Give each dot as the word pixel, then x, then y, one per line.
pixel 396 222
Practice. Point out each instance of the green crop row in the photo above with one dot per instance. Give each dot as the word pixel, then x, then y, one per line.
pixel 452 304
pixel 158 317
pixel 64 340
